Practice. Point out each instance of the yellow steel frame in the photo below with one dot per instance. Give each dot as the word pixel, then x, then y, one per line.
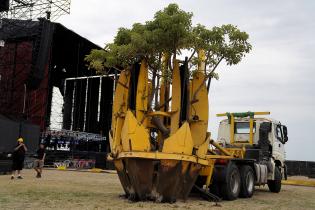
pixel 163 156
pixel 223 150
pixel 237 152
pixel 208 171
pixel 234 153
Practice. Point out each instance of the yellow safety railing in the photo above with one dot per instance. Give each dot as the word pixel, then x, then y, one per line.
pixel 232 117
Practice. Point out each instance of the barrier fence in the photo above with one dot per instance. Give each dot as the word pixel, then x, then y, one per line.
pixel 300 168
pixel 294 168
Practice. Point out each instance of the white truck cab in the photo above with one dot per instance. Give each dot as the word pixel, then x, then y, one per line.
pixel 263 139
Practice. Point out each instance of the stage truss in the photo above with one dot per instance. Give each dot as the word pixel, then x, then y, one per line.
pixel 34 9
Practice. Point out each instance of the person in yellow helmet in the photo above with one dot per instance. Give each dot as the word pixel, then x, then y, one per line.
pixel 18 158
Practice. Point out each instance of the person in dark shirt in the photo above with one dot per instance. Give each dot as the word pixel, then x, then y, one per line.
pixel 18 158
pixel 39 161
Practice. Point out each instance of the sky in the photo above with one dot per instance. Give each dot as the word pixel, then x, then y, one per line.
pixel 277 75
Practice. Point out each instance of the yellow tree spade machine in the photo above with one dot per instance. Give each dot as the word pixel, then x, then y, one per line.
pixel 162 151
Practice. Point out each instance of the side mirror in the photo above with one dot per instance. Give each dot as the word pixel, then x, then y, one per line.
pixel 285 133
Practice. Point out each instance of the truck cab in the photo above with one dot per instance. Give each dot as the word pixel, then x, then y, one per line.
pixel 263 140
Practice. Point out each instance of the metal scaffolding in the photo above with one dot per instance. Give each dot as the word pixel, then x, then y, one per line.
pixel 34 9
pixel 87 91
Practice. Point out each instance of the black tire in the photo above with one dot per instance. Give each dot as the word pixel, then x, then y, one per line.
pixel 247 181
pixel 217 180
pixel 275 185
pixel 230 189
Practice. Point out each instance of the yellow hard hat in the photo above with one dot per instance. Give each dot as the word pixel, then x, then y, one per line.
pixel 20 140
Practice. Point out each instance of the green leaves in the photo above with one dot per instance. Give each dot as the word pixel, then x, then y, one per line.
pixel 226 42
pixel 173 26
pixel 171 32
pixel 235 44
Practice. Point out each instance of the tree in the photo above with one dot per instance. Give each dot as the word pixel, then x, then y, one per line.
pixel 171 33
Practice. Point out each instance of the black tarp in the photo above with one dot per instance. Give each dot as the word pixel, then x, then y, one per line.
pixel 79 105
pixel 106 105
pixel 92 106
pixel 68 100
pixel 10 130
pixel 16 29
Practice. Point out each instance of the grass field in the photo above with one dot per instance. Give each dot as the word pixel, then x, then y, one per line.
pixel 85 190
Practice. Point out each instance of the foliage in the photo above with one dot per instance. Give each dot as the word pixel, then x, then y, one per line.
pixel 171 32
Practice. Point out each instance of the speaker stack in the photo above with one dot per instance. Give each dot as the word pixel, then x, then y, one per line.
pixel 41 54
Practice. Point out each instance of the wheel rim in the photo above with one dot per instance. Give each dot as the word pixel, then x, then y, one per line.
pixel 250 182
pixel 234 182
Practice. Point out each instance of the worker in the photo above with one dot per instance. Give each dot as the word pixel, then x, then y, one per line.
pixel 39 161
pixel 18 158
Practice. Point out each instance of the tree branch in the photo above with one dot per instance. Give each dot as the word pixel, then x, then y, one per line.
pixel 192 55
pixel 216 65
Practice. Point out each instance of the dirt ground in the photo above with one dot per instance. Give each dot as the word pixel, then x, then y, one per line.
pixel 85 190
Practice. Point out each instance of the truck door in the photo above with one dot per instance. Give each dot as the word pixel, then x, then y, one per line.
pixel 278 143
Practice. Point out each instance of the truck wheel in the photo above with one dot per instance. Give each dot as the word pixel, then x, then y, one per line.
pixel 231 186
pixel 247 182
pixel 275 185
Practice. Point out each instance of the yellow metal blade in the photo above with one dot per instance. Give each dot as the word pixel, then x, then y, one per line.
pixel 120 105
pixel 176 99
pixel 134 136
pixel 180 142
pixel 199 112
pixel 142 94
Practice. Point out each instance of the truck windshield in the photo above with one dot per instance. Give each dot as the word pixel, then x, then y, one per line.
pixel 243 128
